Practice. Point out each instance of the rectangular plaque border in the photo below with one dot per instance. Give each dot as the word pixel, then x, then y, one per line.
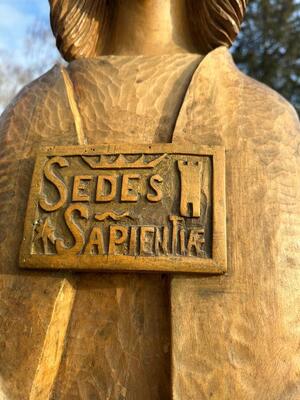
pixel 109 263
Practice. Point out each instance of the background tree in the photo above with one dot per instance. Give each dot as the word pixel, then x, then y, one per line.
pixel 38 54
pixel 268 47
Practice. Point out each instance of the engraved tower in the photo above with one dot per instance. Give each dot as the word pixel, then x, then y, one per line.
pixel 190 176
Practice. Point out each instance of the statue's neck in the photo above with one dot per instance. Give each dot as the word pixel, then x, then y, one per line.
pixel 149 27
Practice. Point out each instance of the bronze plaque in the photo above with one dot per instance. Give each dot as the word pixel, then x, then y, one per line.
pixel 116 207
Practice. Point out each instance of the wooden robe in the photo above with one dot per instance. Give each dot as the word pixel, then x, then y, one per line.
pixel 134 336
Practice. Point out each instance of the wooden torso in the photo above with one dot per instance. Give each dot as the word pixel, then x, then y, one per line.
pixel 90 336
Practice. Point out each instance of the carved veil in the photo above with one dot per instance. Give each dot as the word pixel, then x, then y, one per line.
pixel 80 26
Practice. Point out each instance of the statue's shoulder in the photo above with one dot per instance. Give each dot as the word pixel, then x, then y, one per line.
pixel 262 101
pixel 230 93
pixel 34 91
pixel 40 112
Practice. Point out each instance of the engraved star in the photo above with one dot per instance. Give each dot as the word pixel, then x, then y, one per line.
pixel 46 233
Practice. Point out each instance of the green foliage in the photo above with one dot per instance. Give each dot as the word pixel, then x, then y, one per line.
pixel 268 48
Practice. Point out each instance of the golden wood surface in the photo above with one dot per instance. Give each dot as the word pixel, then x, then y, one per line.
pixel 116 346
pixel 237 336
pixel 95 336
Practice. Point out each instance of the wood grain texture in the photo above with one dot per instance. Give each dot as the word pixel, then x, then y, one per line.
pixel 140 324
pixel 54 342
pixel 237 336
pixel 137 98
pixel 118 346
pixel 26 299
pixel 233 337
pixel 133 360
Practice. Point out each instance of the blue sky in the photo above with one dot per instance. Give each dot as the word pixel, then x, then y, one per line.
pixel 16 17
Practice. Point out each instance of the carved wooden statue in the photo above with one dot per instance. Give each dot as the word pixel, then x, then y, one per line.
pixel 150 72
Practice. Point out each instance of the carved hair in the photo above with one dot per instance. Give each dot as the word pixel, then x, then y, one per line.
pixel 215 22
pixel 80 26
